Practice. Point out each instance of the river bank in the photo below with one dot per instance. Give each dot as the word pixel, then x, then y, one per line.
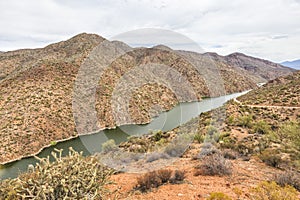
pixel 91 143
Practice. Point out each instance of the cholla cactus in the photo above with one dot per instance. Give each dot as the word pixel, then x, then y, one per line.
pixel 71 177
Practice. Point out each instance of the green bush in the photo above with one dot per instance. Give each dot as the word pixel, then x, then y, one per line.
pixel 290 131
pixel 108 146
pixel 157 135
pixel 270 158
pixel 261 127
pixel 230 120
pixel 199 138
pixel 218 196
pixel 244 121
pixel 272 191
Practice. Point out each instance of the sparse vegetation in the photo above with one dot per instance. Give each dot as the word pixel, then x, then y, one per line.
pixel 72 177
pixel 289 177
pixel 218 196
pixel 178 145
pixel 213 165
pixel 244 121
pixel 270 158
pixel 272 191
pixel 261 127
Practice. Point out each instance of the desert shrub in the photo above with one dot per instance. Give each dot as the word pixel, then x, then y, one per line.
pixel 212 134
pixel 238 192
pixel 72 177
pixel 243 149
pixel 207 149
pixel 272 191
pixel 228 142
pixel 270 158
pixel 108 146
pixel 199 138
pixel 179 176
pixel 224 135
pixel 164 175
pixel 229 154
pixel 244 121
pixel 230 120
pixel 261 127
pixel 157 135
pixel 213 165
pixel 289 177
pixel 178 146
pixel 218 196
pixel 290 131
pixel 211 130
pixel 155 179
pixel 148 181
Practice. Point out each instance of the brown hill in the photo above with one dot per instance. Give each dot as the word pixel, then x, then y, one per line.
pixel 36 89
pixel 259 70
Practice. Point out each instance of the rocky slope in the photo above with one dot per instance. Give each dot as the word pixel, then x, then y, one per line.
pixel 36 89
pixel 259 70
pixel 282 91
pixel 262 139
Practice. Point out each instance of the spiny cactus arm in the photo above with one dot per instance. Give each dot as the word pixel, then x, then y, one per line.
pixel 54 156
pixel 60 153
pixel 93 179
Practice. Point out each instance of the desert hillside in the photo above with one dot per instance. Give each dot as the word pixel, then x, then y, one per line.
pixel 282 91
pixel 237 151
pixel 36 88
pixel 259 70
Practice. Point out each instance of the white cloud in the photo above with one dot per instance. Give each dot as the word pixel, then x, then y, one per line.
pixel 263 28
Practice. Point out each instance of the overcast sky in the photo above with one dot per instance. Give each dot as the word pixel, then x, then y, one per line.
pixel 267 29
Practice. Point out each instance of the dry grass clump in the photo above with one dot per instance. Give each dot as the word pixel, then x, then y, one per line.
pixel 214 165
pixel 71 177
pixel 155 179
pixel 289 177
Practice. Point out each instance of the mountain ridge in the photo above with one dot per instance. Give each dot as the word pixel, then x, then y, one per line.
pixel 36 88
pixel 292 64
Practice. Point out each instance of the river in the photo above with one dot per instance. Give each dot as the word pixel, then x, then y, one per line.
pixel 89 144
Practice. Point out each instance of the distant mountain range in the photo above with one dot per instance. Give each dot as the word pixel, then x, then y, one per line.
pixel 36 87
pixel 292 64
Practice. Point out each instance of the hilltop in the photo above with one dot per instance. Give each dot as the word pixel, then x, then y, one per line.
pixel 36 88
pixel 257 69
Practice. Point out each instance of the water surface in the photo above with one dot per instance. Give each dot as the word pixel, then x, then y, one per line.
pixel 89 144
